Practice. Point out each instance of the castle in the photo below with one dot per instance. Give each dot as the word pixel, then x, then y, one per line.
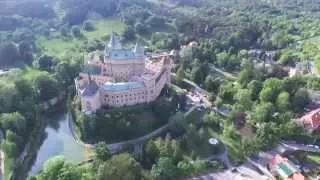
pixel 122 77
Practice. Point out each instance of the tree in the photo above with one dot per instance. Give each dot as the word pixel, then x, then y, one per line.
pixel 121 166
pixel 10 148
pixel 164 169
pixel 262 113
pixel 14 122
pixel 244 98
pixel 8 97
pixel 46 87
pixel 141 29
pixel 152 152
pixel 88 26
pixel 230 133
pixel 283 102
pixel 227 91
pixel 255 87
pixel 128 34
pixel 66 72
pixel 268 134
pixel 57 168
pixel 212 84
pixel 25 52
pixel 8 54
pixel 64 31
pixel 102 151
pixel 156 21
pixel 271 89
pixel 301 99
pixel 45 63
pixel 76 32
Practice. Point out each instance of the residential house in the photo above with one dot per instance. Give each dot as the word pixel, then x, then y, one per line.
pixel 281 166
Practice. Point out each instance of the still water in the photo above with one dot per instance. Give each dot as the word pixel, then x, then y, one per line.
pixel 59 141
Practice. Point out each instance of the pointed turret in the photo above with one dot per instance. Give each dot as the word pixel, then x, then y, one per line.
pixel 114 42
pixel 139 50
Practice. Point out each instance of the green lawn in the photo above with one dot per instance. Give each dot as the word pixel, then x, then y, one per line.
pixel 56 45
pixel 30 74
pixel 104 27
pixel 308 157
pixel 314 158
pixel 8 165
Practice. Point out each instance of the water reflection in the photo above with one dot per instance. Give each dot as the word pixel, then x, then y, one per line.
pixel 59 141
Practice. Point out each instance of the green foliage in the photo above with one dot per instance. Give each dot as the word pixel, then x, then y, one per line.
pixel 156 21
pixel 45 63
pixel 88 26
pixel 121 166
pixel 46 87
pixel 57 168
pixel 102 152
pixel 128 34
pixel 164 169
pixel 301 99
pixel 283 102
pixel 76 32
pixel 262 113
pixel 13 121
pixel 8 54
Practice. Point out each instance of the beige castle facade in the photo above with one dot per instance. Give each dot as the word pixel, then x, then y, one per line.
pixel 123 77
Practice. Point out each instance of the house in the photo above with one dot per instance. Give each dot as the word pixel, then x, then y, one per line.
pixel 310 121
pixel 281 166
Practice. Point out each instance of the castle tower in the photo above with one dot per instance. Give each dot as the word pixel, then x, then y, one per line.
pixel 138 50
pixel 113 44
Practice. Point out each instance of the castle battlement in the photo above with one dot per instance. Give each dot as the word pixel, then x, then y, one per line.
pixel 122 77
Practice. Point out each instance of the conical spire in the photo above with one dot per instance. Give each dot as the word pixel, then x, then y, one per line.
pixel 139 49
pixel 114 42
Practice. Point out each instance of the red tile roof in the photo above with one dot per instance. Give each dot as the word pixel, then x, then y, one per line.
pixel 311 120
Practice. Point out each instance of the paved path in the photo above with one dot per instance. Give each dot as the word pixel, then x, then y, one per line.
pixel 224 73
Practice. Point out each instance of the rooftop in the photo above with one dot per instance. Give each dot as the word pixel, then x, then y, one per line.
pixel 123 86
pixel 90 89
pixel 93 69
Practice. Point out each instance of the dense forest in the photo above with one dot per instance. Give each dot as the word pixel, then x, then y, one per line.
pixel 44 47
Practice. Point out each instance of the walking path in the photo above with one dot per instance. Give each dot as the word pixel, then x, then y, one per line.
pixel 224 73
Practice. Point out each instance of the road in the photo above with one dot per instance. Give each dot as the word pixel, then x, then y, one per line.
pixel 249 169
pixel 243 172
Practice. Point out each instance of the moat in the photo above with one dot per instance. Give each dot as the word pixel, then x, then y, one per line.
pixel 59 141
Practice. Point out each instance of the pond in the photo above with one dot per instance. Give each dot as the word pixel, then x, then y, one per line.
pixel 59 141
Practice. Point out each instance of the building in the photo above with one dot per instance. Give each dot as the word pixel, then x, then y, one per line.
pixel 303 68
pixel 122 77
pixel 310 121
pixel 281 166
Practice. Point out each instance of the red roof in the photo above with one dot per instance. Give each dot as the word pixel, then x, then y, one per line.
pixel 312 119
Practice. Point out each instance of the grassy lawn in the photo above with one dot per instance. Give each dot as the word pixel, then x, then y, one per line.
pixel 309 157
pixel 8 165
pixel 56 45
pixel 104 27
pixel 30 74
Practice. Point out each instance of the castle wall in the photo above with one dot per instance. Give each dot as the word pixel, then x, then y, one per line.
pixel 121 71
